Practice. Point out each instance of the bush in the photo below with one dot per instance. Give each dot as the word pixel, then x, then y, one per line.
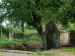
pixel 71 27
pixel 4 43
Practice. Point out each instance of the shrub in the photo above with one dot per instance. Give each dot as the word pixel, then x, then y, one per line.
pixel 4 43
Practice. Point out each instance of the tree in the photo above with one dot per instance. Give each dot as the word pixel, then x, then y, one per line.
pixel 23 15
pixel 1 20
pixel 35 11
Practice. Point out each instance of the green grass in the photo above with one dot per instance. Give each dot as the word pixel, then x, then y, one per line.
pixel 33 39
pixel 27 31
pixel 40 54
pixel 2 55
pixel 30 31
pixel 4 43
pixel 29 39
pixel 69 50
pixel 30 36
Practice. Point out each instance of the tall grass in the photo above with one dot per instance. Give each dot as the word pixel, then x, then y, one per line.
pixel 26 31
pixel 33 39
pixel 29 36
pixel 30 31
pixel 17 31
pixel 4 43
pixel 4 37
pixel 29 39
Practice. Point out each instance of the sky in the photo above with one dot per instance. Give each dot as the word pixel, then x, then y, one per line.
pixel 0 0
pixel 4 21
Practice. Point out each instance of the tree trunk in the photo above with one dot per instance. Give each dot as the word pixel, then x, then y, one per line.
pixel 22 28
pixel 22 25
pixel 11 30
pixel 1 31
pixel 12 26
pixel 29 26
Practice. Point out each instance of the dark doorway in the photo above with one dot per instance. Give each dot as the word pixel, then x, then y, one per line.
pixel 50 43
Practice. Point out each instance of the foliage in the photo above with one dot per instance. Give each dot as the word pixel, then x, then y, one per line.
pixel 71 27
pixel 4 43
pixel 36 12
pixel 5 37
pixel 17 31
pixel 66 12
pixel 4 30
pixel 23 8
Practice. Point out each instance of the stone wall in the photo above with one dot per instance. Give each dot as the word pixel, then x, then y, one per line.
pixel 64 38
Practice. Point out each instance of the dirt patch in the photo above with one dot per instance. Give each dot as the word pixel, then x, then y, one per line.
pixel 24 46
pixel 64 54
pixel 13 54
pixel 53 52
pixel 56 50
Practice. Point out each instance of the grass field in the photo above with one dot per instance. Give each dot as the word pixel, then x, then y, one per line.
pixel 2 55
pixel 4 43
pixel 28 37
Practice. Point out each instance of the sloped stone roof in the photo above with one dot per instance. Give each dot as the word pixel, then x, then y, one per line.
pixel 58 25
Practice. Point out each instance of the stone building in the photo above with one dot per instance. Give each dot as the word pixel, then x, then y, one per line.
pixel 55 35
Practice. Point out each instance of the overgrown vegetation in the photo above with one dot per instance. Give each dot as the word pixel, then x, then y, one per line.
pixel 29 39
pixel 71 27
pixel 36 13
pixel 4 43
pixel 30 32
pixel 4 30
